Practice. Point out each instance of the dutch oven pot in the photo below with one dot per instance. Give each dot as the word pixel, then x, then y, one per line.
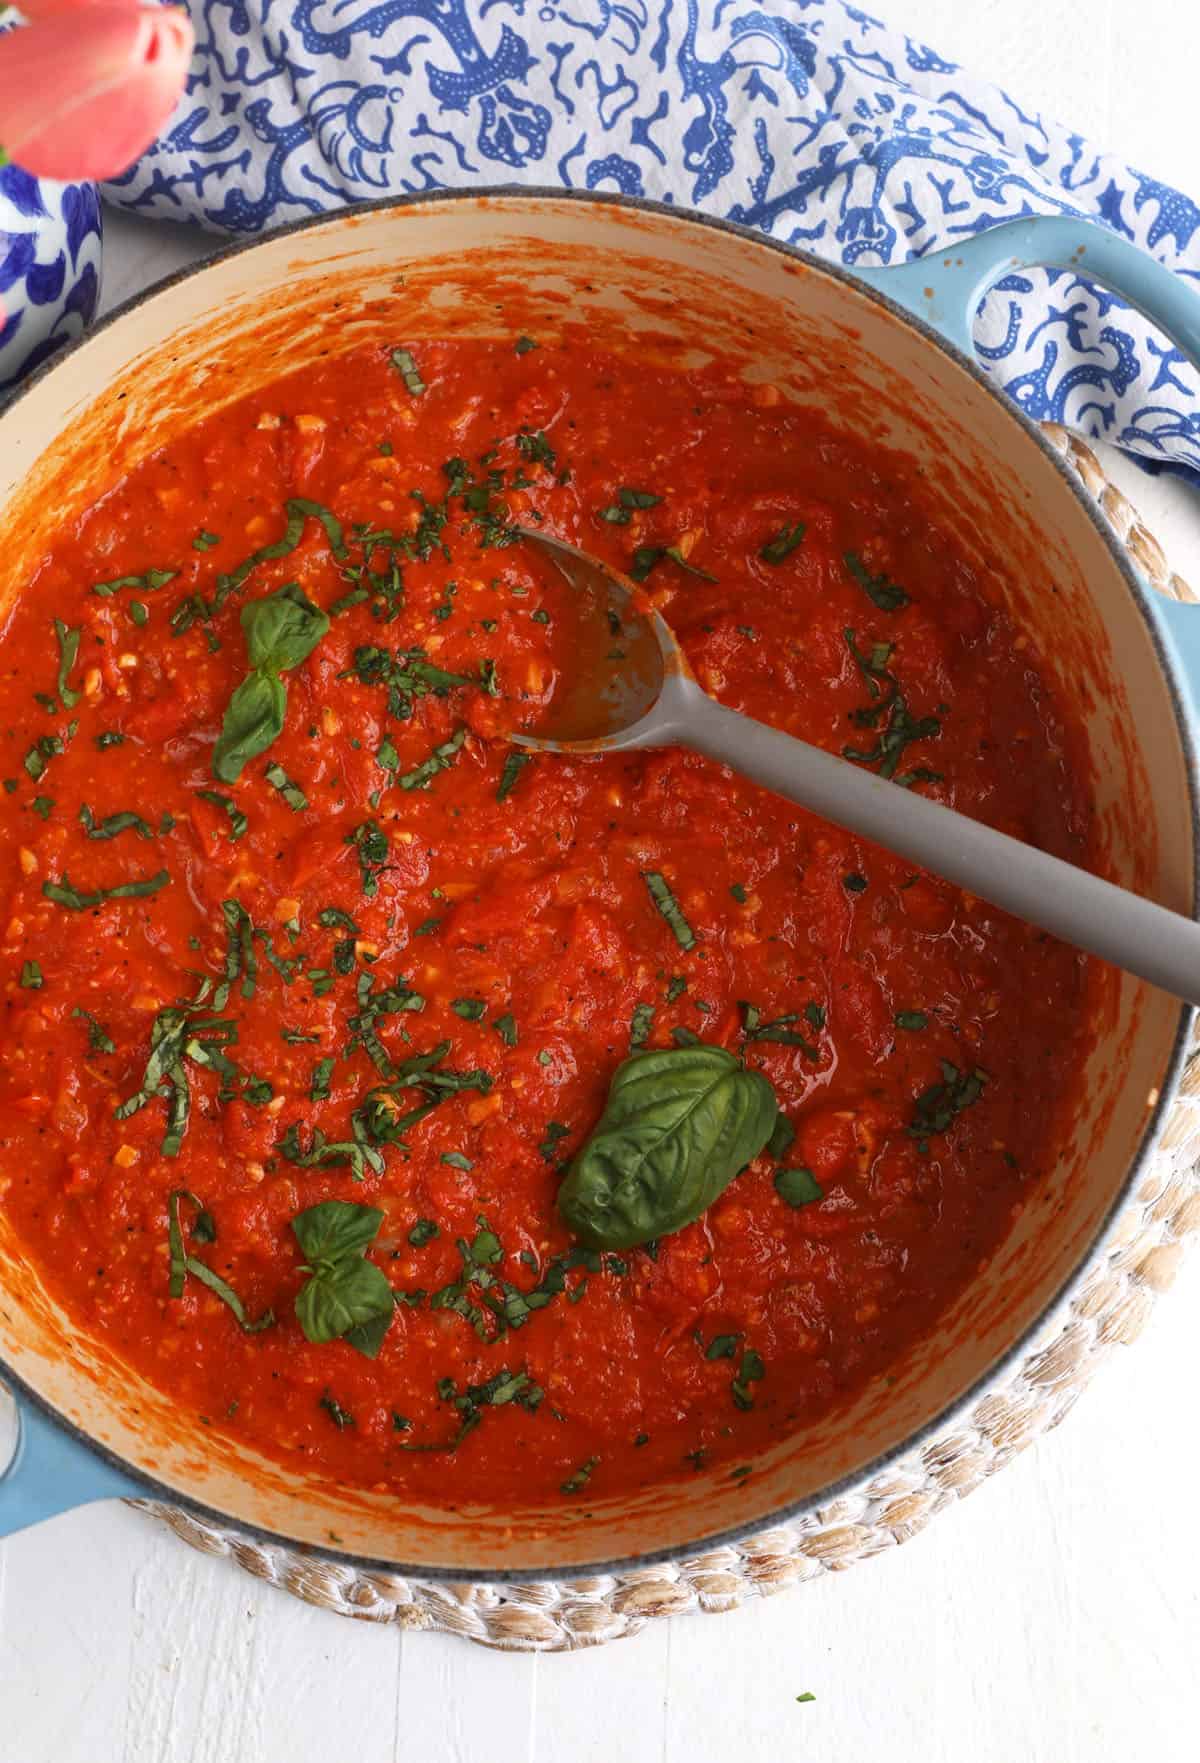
pixel 885 353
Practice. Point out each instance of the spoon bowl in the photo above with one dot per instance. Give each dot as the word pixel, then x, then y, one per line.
pixel 631 687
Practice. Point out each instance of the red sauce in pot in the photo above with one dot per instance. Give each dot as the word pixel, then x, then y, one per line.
pixel 384 879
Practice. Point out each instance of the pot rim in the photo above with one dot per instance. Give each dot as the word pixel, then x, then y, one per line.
pixel 1155 1118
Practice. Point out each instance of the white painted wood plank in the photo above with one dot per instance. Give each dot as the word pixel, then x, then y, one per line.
pixel 457 1703
pixel 609 1704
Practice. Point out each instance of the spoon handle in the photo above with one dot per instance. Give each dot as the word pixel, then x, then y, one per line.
pixel 1160 946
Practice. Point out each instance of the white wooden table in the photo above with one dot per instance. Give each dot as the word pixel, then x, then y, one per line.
pixel 1054 1618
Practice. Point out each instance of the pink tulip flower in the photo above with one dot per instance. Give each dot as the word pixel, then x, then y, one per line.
pixel 87 85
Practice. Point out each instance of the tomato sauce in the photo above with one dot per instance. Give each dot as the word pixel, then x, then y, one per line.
pixel 387 877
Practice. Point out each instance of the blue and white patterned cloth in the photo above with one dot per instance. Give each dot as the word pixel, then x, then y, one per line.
pixel 810 119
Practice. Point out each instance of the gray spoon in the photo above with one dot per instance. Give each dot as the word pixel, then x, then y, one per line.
pixel 636 690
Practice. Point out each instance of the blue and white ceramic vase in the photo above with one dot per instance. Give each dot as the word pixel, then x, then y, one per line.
pixel 49 268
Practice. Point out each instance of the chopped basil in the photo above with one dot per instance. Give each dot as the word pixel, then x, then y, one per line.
pixel 372 847
pixel 739 893
pixel 889 596
pixel 523 345
pixel 648 557
pixel 722 1346
pixel 470 1009
pixel 110 738
pixel 578 1480
pixel 514 764
pixel 422 1232
pixel 31 976
pixel 341 1417
pixel 318 1087
pixel 854 883
pixel 911 1020
pixel 934 1110
pixel 148 583
pixel 427 927
pixel 640 1025
pixel 406 367
pixel 113 824
pixel 237 820
pixel 291 792
pixel 751 1370
pixel 42 806
pixel 204 541
pixel 503 1387
pixel 44 749
pixel 68 652
pixel 139 612
pixel 386 756
pixel 555 1132
pixel 778 1030
pixel 63 893
pixel 333 918
pixel 181 1263
pixel 407 674
pixel 677 987
pixel 457 1160
pixel 784 543
pixel 815 1014
pixel 620 512
pixel 534 446
pixel 442 757
pixel 683 1037
pixel 798 1187
pixel 506 1027
pixel 99 1040
pixel 296 1037
pixel 669 906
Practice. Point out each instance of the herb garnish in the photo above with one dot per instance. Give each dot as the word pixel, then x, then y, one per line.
pixel 503 1387
pixel 442 757
pixel 291 792
pixel 777 1030
pixel 341 1417
pixel 68 651
pixel 407 674
pixel 640 1025
pixel 422 1232
pixel 64 893
pixel 237 820
pixel 620 512
pixel 578 1480
pixel 44 749
pixel 669 906
pixel 784 543
pixel 99 1040
pixel 506 1027
pixel 345 1296
pixel 911 1020
pixel 113 824
pixel 372 846
pixel 282 630
pixel 181 1263
pixel 889 596
pixel 798 1187
pixel 146 584
pixel 751 1370
pixel 648 557
pixel 934 1109
pixel 406 367
pixel 31 976
pixel 514 764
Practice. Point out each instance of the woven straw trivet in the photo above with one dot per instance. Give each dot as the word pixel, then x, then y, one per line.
pixel 1110 1307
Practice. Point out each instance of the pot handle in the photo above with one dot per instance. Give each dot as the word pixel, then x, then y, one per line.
pixel 945 288
pixel 52 1471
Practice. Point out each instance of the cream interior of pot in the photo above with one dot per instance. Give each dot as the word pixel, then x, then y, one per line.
pixel 504 265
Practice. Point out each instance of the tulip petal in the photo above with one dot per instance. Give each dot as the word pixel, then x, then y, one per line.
pixel 84 92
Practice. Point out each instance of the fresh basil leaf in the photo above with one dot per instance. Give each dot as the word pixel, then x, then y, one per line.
pixel 679 1124
pixel 798 1187
pixel 254 720
pixel 784 543
pixel 339 1299
pixel 336 1228
pixel 283 629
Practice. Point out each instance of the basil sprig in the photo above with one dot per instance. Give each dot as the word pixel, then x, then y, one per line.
pixel 282 630
pixel 678 1126
pixel 345 1296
